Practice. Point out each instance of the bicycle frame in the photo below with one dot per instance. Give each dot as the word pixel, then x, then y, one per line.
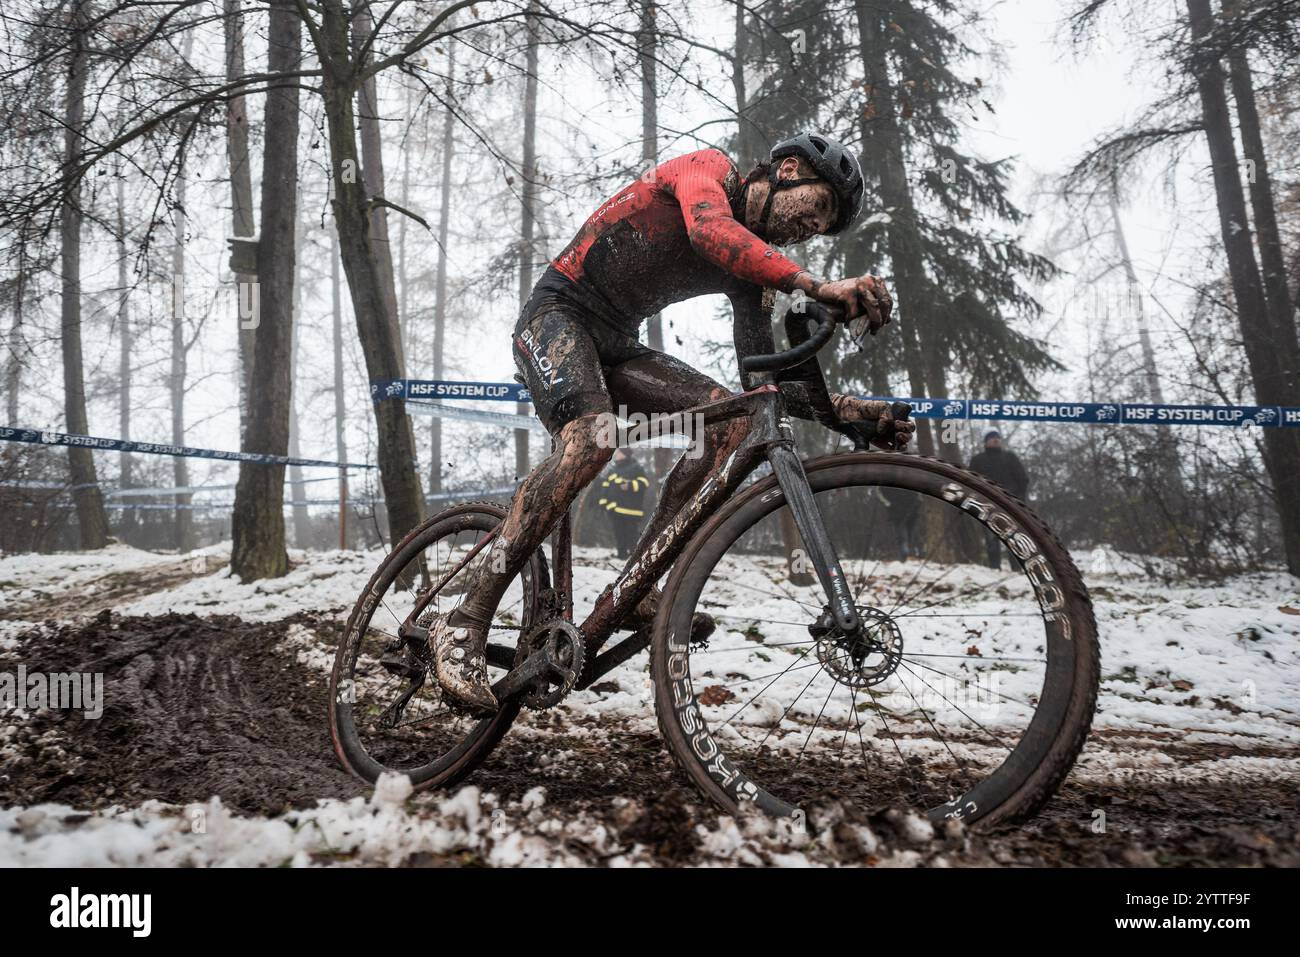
pixel 765 433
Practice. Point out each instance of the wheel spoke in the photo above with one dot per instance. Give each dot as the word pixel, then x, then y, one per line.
pixel 996 739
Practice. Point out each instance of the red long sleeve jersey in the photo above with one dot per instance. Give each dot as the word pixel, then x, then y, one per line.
pixel 671 235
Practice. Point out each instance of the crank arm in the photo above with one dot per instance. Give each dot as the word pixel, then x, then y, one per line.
pixel 499 656
pixel 537 665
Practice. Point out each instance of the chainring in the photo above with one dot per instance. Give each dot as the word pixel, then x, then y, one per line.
pixel 562 641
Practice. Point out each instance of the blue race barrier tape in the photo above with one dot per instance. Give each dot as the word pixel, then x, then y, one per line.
pixel 38 437
pixel 1101 413
pixel 289 503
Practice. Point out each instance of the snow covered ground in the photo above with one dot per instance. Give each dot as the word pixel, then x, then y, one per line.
pixel 1200 688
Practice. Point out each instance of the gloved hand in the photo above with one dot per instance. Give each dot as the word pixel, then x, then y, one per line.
pixel 878 422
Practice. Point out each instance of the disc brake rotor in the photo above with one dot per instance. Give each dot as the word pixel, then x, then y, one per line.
pixel 866 658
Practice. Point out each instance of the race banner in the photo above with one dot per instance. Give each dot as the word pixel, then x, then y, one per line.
pixel 381 389
pixel 1102 413
pixel 39 437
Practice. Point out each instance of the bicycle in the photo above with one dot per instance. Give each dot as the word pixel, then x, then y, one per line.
pixel 880 647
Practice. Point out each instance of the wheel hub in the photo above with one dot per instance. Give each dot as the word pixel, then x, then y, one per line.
pixel 864 658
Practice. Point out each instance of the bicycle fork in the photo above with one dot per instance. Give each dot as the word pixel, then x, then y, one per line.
pixel 793 481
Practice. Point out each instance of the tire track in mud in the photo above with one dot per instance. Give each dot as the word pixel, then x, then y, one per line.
pixel 193 706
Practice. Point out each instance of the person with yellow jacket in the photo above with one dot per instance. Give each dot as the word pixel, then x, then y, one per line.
pixel 622 496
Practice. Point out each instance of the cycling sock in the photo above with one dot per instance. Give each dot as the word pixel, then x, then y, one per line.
pixel 461 618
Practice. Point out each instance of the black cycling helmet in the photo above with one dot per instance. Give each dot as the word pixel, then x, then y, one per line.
pixel 834 165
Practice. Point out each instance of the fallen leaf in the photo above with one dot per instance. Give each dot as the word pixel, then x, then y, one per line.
pixel 715 695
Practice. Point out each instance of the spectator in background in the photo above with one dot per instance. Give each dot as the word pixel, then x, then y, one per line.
pixel 904 511
pixel 622 495
pixel 1003 467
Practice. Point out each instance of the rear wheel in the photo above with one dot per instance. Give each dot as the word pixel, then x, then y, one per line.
pixel 387 711
pixel 967 693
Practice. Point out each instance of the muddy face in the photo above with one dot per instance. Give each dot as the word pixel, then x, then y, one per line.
pixel 800 213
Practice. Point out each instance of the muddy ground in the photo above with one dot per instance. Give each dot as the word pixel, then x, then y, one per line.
pixel 216 705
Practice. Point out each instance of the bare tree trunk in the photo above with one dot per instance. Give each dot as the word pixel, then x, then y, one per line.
pixel 526 252
pixel 126 521
pixel 87 495
pixel 182 517
pixel 13 362
pixel 403 279
pixel 647 44
pixel 883 146
pixel 647 48
pixel 372 172
pixel 440 305
pixel 124 337
pixel 340 405
pixel 297 491
pixel 371 304
pixel 1264 344
pixel 241 194
pixel 1150 373
pixel 1277 294
pixel 747 144
pixel 925 353
pixel 258 524
pixel 1167 451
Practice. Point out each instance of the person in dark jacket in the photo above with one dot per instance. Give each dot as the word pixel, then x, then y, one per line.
pixel 1003 467
pixel 622 495
pixel 904 511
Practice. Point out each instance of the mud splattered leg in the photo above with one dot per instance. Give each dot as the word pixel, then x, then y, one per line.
pixel 539 503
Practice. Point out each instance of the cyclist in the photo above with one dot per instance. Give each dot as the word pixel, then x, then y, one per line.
pixel 690 227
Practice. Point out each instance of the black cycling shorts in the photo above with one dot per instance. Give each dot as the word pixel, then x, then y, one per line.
pixel 576 364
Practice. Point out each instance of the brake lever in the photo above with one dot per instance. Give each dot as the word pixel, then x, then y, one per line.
pixel 898 412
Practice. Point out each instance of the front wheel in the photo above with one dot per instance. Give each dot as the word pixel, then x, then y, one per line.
pixel 967 692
